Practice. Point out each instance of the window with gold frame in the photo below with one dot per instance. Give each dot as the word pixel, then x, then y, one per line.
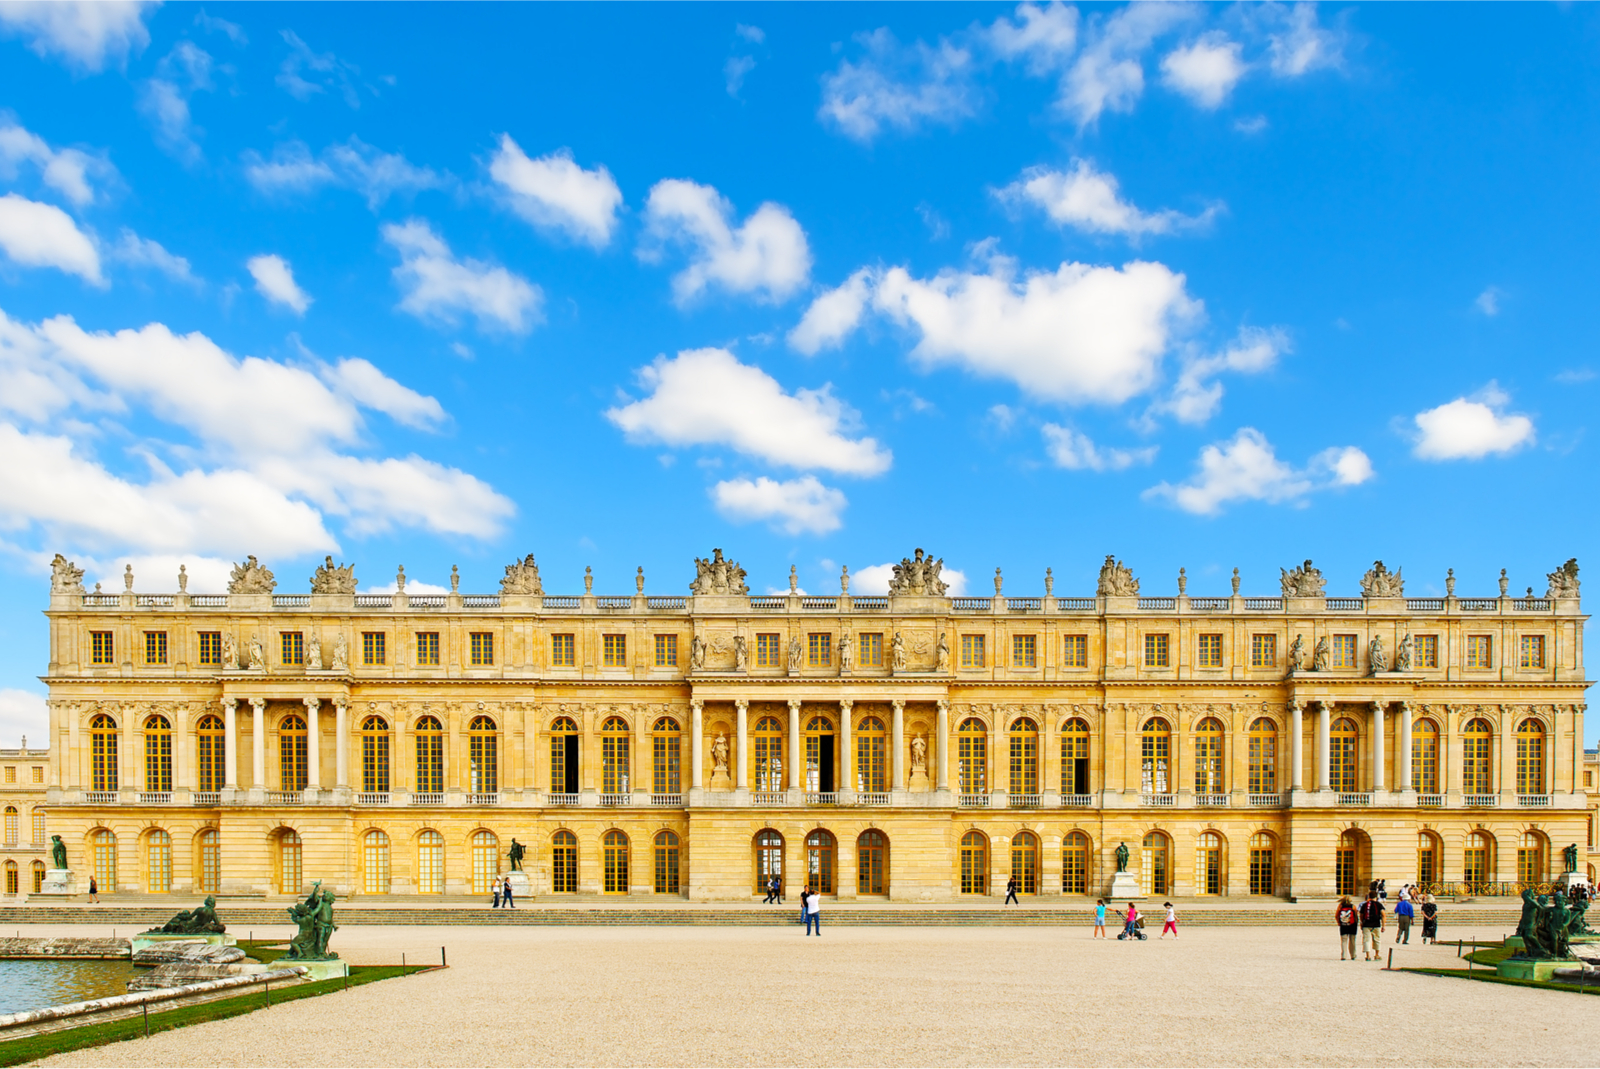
pixel 564 743
pixel 974 863
pixel 1425 651
pixel 427 649
pixel 666 651
pixel 1477 770
pixel 1157 650
pixel 668 863
pixel 210 647
pixel 103 753
pixel 429 737
pixel 292 769
pixel 1025 862
pixel 769 650
pixel 1075 651
pixel 1024 651
pixel 1429 853
pixel 1479 651
pixel 291 648
pixel 869 649
pixel 819 743
pixel 1075 757
pixel 289 858
pixel 1024 764
pixel 13 822
pixel 1155 757
pixel 1155 864
pixel 871 753
pixel 822 857
pixel 666 774
pixel 13 880
pixel 1263 757
pixel 155 647
pixel 483 756
pixel 1263 862
pixel 1263 651
pixel 872 863
pixel 1208 763
pixel 768 848
pixel 375 756
pixel 485 861
pixel 103 852
pixel 767 753
pixel 1477 864
pixel 616 766
pixel 210 842
pixel 40 832
pixel 1344 651
pixel 430 862
pixel 1208 651
pixel 972 651
pixel 1531 852
pixel 615 849
pixel 211 747
pixel 564 863
pixel 157 754
pixel 374 648
pixel 1342 751
pixel 1532 651
pixel 1530 757
pixel 819 649
pixel 1075 855
pixel 375 862
pixel 563 651
pixel 1210 867
pixel 972 757
pixel 480 648
pixel 1424 756
pixel 102 648
pixel 614 651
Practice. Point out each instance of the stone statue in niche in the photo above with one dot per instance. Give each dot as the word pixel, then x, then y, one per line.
pixel 795 653
pixel 257 659
pixel 1380 582
pixel 697 653
pixel 739 655
pixel 1304 582
pixel 251 577
pixel 1116 580
pixel 1322 656
pixel 313 652
pixel 1297 654
pixel 897 649
pixel 719 753
pixel 341 653
pixel 718 576
pixel 1377 660
pixel 230 653
pixel 846 652
pixel 919 754
pixel 918 576
pixel 1402 654
pixel 65 577
pixel 1563 581
pixel 330 578
pixel 943 654
pixel 522 577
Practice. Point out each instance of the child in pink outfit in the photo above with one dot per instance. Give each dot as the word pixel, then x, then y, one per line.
pixel 1172 922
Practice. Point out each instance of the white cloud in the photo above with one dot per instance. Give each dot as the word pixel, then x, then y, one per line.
pixel 355 165
pixel 1488 301
pixel 23 714
pixel 753 34
pixel 364 384
pixel 1089 199
pixel 1299 45
pixel 164 99
pixel 86 33
pixel 834 314
pixel 734 72
pixel 899 87
pixel 143 252
pixel 1247 469
pixel 553 191
pixel 793 506
pixel 1196 395
pixel 438 286
pixel 67 170
pixel 275 281
pixel 232 30
pixel 1471 428
pixel 1076 451
pixel 1044 36
pixel 873 580
pixel 376 495
pixel 767 255
pixel 41 235
pixel 305 73
pixel 1108 74
pixel 707 397
pixel 1205 71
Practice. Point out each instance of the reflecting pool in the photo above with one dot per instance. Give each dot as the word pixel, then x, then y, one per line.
pixel 33 985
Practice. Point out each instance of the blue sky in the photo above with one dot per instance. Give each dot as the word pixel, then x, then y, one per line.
pixel 1202 286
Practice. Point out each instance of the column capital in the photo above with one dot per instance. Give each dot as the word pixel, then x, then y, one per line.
pixel 794 704
pixel 230 704
pixel 341 704
pixel 1404 707
pixel 696 704
pixel 898 703
pixel 943 704
pixel 1379 705
pixel 258 704
pixel 846 703
pixel 741 704
pixel 312 703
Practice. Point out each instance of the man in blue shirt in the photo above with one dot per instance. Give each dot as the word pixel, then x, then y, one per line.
pixel 1402 918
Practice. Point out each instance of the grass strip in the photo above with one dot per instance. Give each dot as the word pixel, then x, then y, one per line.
pixel 32 1048
pixel 1495 978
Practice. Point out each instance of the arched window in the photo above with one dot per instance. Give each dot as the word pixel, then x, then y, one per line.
pixel 1155 758
pixel 1208 778
pixel 157 754
pixel 1210 866
pixel 430 758
pixel 103 850
pixel 483 754
pixel 292 753
pixel 13 819
pixel 211 745
pixel 872 747
pixel 1350 863
pixel 375 862
pixel 1263 756
pixel 666 747
pixel 485 860
pixel 210 843
pixel 1024 767
pixel 769 859
pixel 103 751
pixel 768 754
pixel 1263 863
pixel 974 864
pixel 1530 757
pixel 1425 756
pixel 1075 857
pixel 972 758
pixel 819 755
pixel 1075 757
pixel 288 862
pixel 667 863
pixel 564 863
pixel 1531 864
pixel 615 848
pixel 13 887
pixel 38 877
pixel 158 862
pixel 1342 755
pixel 1025 862
pixel 822 857
pixel 1478 862
pixel 375 756
pixel 430 862
pixel 1430 856
pixel 563 756
pixel 615 769
pixel 872 863
pixel 1155 864
pixel 1476 771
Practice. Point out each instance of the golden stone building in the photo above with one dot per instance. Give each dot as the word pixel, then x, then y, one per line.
pixel 23 853
pixel 917 746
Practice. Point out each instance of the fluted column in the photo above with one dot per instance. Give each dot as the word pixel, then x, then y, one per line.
pixel 313 745
pixel 742 753
pixel 846 752
pixel 71 763
pixel 230 744
pixel 1296 746
pixel 796 757
pixel 696 744
pixel 181 764
pixel 1402 750
pixel 1324 716
pixel 341 744
pixel 639 755
pixel 1378 780
pixel 258 743
pixel 942 748
pixel 898 735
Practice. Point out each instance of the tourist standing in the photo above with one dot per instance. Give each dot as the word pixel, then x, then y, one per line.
pixel 805 893
pixel 1430 919
pixel 814 915
pixel 1402 919
pixel 505 894
pixel 1172 921
pixel 1372 925
pixel 94 890
pixel 1099 919
pixel 496 903
pixel 1345 915
pixel 1011 893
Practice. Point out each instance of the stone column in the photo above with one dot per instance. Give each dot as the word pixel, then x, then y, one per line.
pixel 1296 747
pixel 897 735
pixel 1402 774
pixel 1506 738
pixel 741 752
pixel 230 744
pixel 341 744
pixel 847 784
pixel 942 748
pixel 1378 779
pixel 1324 716
pixel 313 745
pixel 72 762
pixel 639 757
pixel 180 748
pixel 258 743
pixel 696 744
pixel 797 761
pixel 1577 751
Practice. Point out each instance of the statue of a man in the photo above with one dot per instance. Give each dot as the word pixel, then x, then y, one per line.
pixel 1569 855
pixel 325 925
pixel 515 854
pixel 719 753
pixel 1122 857
pixel 1322 656
pixel 739 654
pixel 58 851
pixel 943 653
pixel 898 651
pixel 341 653
pixel 1297 654
pixel 697 653
pixel 313 652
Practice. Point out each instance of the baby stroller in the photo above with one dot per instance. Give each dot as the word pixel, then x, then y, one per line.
pixel 1134 928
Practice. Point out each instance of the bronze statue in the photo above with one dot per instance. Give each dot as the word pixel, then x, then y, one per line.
pixel 202 920
pixel 314 919
pixel 1570 856
pixel 58 851
pixel 1122 857
pixel 516 854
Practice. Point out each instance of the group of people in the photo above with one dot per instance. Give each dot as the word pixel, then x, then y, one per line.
pixel 503 895
pixel 1370 920
pixel 810 904
pixel 1132 921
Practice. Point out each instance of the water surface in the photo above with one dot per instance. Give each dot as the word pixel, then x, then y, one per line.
pixel 33 985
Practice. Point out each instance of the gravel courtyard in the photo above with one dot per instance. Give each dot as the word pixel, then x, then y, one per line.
pixel 879 996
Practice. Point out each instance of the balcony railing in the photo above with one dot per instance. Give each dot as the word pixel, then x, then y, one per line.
pixel 872 798
pixel 815 604
pixel 1209 604
pixel 971 604
pixel 206 799
pixel 492 798
pixel 666 604
pixel 768 798
pixel 208 601
pixel 1263 604
pixel 1354 798
pixel 613 603
pixel 1345 604
pixel 428 798
pixel 1481 801
pixel 372 798
pixel 871 604
pixel 286 797
pixel 1479 604
pixel 1425 604
pixel 768 603
pixel 1264 801
pixel 973 801
pixel 1212 799
pixel 561 799
pixel 100 797
pixel 1023 801
pixel 1158 799
pixel 155 601
pixel 1430 801
pixel 1533 800
pixel 1024 604
pixel 426 601
pixel 822 798
pixel 155 797
pixel 616 799
pixel 492 601
pixel 1077 800
pixel 1531 604
pixel 1158 604
pixel 666 799
pixel 300 601
pixel 363 601
pixel 1075 604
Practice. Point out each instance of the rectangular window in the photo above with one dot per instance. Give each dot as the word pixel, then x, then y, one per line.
pixel 211 647
pixel 427 649
pixel 155 647
pixel 1075 651
pixel 614 651
pixel 374 648
pixel 11 773
pixel 1344 651
pixel 768 652
pixel 1532 651
pixel 972 651
pixel 102 650
pixel 1427 651
pixel 292 647
pixel 1263 651
pixel 483 647
pixel 666 651
pixel 1024 651
pixel 1210 651
pixel 1478 652
pixel 870 650
pixel 38 776
pixel 819 649
pixel 563 651
pixel 1157 653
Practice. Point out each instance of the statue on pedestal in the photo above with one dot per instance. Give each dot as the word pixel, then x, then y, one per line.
pixel 1122 857
pixel 58 851
pixel 516 854
pixel 314 919
pixel 719 753
pixel 202 920
pixel 1569 855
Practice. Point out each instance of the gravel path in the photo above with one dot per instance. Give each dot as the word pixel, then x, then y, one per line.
pixel 884 997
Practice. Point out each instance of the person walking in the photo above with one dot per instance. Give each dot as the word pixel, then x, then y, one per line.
pixel 1011 893
pixel 94 890
pixel 1430 919
pixel 505 894
pixel 1130 923
pixel 772 891
pixel 1345 916
pixel 1372 925
pixel 1403 912
pixel 814 914
pixel 496 903
pixel 1099 919
pixel 1172 921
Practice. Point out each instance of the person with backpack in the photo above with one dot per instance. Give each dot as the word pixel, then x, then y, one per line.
pixel 1345 916
pixel 1372 925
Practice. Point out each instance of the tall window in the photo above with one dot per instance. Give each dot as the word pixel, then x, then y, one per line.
pixel 1263 855
pixel 13 825
pixel 1024 766
pixel 1025 862
pixel 103 752
pixel 1157 651
pixel 1479 650
pixel 1075 651
pixel 40 833
pixel 768 753
pixel 614 651
pixel 564 756
pixel 666 775
pixel 769 859
pixel 103 849
pixel 821 861
pixel 1342 755
pixel 157 754
pixel 563 651
pixel 1208 864
pixel 1155 864
pixel 1075 757
pixel 1075 864
pixel 1208 777
pixel 1263 651
pixel 38 877
pixel 483 750
pixel 211 647
pixel 155 647
pixel 974 864
pixel 1476 768
pixel 972 757
pixel 210 861
pixel 211 743
pixel 375 862
pixel 1426 651
pixel 871 749
pixel 288 862
pixel 375 757
pixel 430 756
pixel 1263 756
pixel 615 849
pixel 872 863
pixel 819 754
pixel 102 650
pixel 769 651
pixel 291 647
pixel 666 651
pixel 972 651
pixel 616 770
pixel 1424 756
pixel 292 753
pixel 1530 757
pixel 564 863
pixel 1208 652
pixel 819 649
pixel 481 649
pixel 1155 758
pixel 430 862
pixel 374 648
pixel 485 861
pixel 1532 652
pixel 13 885
pixel 869 650
pixel 427 649
pixel 1344 651
pixel 1429 870
pixel 667 863
pixel 1024 651
pixel 1478 862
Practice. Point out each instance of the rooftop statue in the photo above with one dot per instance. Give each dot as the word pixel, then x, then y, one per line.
pixel 67 578
pixel 918 575
pixel 334 579
pixel 522 577
pixel 201 920
pixel 251 578
pixel 718 576
pixel 1380 582
pixel 1304 582
pixel 1563 581
pixel 1116 580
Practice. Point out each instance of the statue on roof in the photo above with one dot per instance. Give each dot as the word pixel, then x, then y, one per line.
pixel 522 577
pixel 330 578
pixel 67 578
pixel 1563 581
pixel 718 576
pixel 1303 582
pixel 251 577
pixel 1380 582
pixel 1116 580
pixel 918 576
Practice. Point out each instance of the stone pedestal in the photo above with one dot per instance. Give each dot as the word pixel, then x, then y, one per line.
pixel 145 939
pixel 720 780
pixel 1569 880
pixel 521 886
pixel 1523 969
pixel 919 781
pixel 316 970
pixel 1125 888
pixel 59 882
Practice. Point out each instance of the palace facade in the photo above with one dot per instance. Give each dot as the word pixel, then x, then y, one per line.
pixel 915 746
